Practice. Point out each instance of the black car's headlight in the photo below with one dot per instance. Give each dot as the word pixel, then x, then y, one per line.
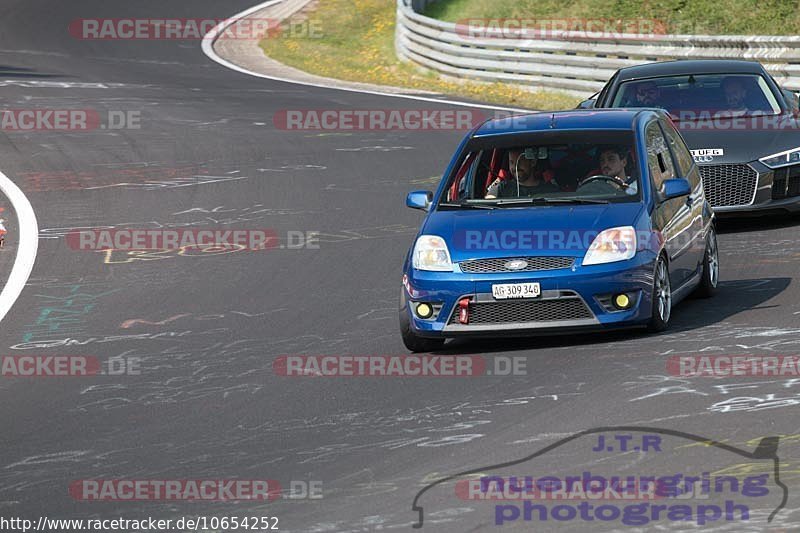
pixel 782 159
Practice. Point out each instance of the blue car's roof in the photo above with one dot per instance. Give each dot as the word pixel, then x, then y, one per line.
pixel 590 119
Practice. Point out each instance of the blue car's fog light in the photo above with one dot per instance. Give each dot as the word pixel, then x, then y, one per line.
pixel 616 302
pixel 426 310
pixel 622 301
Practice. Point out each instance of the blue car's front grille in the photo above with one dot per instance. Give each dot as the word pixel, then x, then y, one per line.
pixel 527 310
pixel 531 264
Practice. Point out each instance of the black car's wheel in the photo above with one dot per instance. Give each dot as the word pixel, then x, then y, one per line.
pixel 412 341
pixel 710 277
pixel 662 297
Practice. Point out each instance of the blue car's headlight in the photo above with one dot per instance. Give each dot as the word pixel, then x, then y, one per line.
pixel 612 245
pixel 431 253
pixel 782 159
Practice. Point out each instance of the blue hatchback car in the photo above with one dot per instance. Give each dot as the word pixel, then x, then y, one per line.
pixel 552 222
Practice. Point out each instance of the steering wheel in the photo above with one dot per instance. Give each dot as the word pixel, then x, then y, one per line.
pixel 616 181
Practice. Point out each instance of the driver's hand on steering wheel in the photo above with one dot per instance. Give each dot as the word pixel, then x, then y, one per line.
pixel 620 182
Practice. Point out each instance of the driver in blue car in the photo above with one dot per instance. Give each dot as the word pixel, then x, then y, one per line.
pixel 527 180
pixel 613 160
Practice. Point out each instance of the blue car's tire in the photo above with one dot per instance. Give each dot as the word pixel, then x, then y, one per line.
pixel 662 297
pixel 412 341
pixel 710 278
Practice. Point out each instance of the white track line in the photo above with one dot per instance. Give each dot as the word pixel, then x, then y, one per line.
pixel 26 249
pixel 216 31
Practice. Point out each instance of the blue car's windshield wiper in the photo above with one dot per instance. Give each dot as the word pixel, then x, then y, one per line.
pixel 575 201
pixel 465 205
pixel 540 200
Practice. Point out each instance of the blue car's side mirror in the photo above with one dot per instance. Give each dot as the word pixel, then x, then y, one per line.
pixel 587 104
pixel 419 200
pixel 675 188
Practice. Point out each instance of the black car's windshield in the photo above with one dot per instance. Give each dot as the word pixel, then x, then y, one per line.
pixel 577 167
pixel 700 95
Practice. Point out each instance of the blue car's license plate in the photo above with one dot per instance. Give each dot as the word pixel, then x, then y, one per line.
pixel 516 290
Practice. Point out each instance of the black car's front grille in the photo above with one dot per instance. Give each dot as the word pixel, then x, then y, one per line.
pixel 526 310
pixel 786 182
pixel 533 264
pixel 729 185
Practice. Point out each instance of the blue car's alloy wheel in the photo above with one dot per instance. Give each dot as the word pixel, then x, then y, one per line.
pixel 662 297
pixel 710 277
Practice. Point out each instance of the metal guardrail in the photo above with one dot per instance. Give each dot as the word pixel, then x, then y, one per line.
pixel 572 61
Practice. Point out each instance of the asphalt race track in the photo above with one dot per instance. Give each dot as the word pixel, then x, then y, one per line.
pixel 206 403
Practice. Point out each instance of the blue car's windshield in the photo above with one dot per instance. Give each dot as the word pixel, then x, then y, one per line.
pixel 700 96
pixel 591 167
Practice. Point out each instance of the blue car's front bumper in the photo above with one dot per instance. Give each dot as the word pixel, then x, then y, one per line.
pixel 572 298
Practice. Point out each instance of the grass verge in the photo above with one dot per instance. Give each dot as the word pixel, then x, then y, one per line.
pixel 355 41
pixel 714 17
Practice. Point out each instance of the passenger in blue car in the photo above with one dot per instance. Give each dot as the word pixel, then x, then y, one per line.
pixel 526 179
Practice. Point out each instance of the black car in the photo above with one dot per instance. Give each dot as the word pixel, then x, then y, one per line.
pixel 741 126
